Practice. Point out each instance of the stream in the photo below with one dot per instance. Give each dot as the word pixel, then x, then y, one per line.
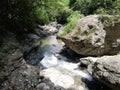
pixel 62 71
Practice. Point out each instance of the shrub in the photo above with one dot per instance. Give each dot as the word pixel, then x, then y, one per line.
pixel 24 15
pixel 96 6
pixel 17 15
pixel 71 22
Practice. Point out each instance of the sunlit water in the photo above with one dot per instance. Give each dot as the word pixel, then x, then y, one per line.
pixel 50 47
pixel 58 68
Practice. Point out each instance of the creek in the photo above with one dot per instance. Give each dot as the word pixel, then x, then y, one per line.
pixel 60 69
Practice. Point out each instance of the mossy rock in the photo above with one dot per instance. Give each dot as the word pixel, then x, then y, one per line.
pixel 95 35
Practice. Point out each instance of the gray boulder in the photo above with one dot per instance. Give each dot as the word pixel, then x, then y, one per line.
pixel 95 35
pixel 47 30
pixel 15 73
pixel 88 60
pixel 107 70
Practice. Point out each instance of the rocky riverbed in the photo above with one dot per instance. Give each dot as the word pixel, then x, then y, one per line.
pixel 98 36
pixel 15 73
pixel 34 62
pixel 61 66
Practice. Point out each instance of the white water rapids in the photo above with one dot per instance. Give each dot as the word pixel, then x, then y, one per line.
pixel 57 68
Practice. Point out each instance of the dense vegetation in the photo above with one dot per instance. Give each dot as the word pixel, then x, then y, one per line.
pixel 25 15
pixel 87 7
pixel 96 6
pixel 71 20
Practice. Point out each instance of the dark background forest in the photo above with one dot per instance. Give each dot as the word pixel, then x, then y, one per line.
pixel 25 15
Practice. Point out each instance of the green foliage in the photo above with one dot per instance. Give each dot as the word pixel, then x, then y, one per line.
pixel 96 6
pixel 101 11
pixel 17 15
pixel 52 10
pixel 42 15
pixel 81 5
pixel 62 16
pixel 110 7
pixel 63 12
pixel 71 22
pixel 108 19
pixel 24 15
pixel 74 15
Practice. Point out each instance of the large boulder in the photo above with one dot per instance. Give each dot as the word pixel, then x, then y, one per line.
pixel 107 70
pixel 95 35
pixel 15 73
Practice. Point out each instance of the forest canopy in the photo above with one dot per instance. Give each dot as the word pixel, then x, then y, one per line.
pixel 25 15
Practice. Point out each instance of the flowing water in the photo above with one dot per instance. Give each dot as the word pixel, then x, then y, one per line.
pixel 58 68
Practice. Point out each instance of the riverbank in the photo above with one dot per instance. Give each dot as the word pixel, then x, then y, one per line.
pixel 36 62
pixel 61 66
pixel 15 73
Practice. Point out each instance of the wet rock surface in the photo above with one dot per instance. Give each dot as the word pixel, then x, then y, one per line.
pixel 50 29
pixel 88 60
pixel 95 35
pixel 15 73
pixel 62 68
pixel 72 79
pixel 107 70
pixel 104 69
pixel 20 58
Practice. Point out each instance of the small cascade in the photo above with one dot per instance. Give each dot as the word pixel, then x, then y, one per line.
pixel 59 68
pixel 49 61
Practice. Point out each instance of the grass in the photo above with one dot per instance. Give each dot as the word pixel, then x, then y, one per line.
pixel 72 19
pixel 68 27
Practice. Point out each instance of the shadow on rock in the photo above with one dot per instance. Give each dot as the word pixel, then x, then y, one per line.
pixel 70 54
pixel 95 85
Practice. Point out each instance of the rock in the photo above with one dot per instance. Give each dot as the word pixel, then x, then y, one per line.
pixel 88 60
pixel 28 43
pixel 95 35
pixel 67 52
pixel 56 25
pixel 50 29
pixel 107 70
pixel 26 77
pixel 43 86
pixel 59 26
pixel 9 63
pixel 46 30
pixel 15 73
